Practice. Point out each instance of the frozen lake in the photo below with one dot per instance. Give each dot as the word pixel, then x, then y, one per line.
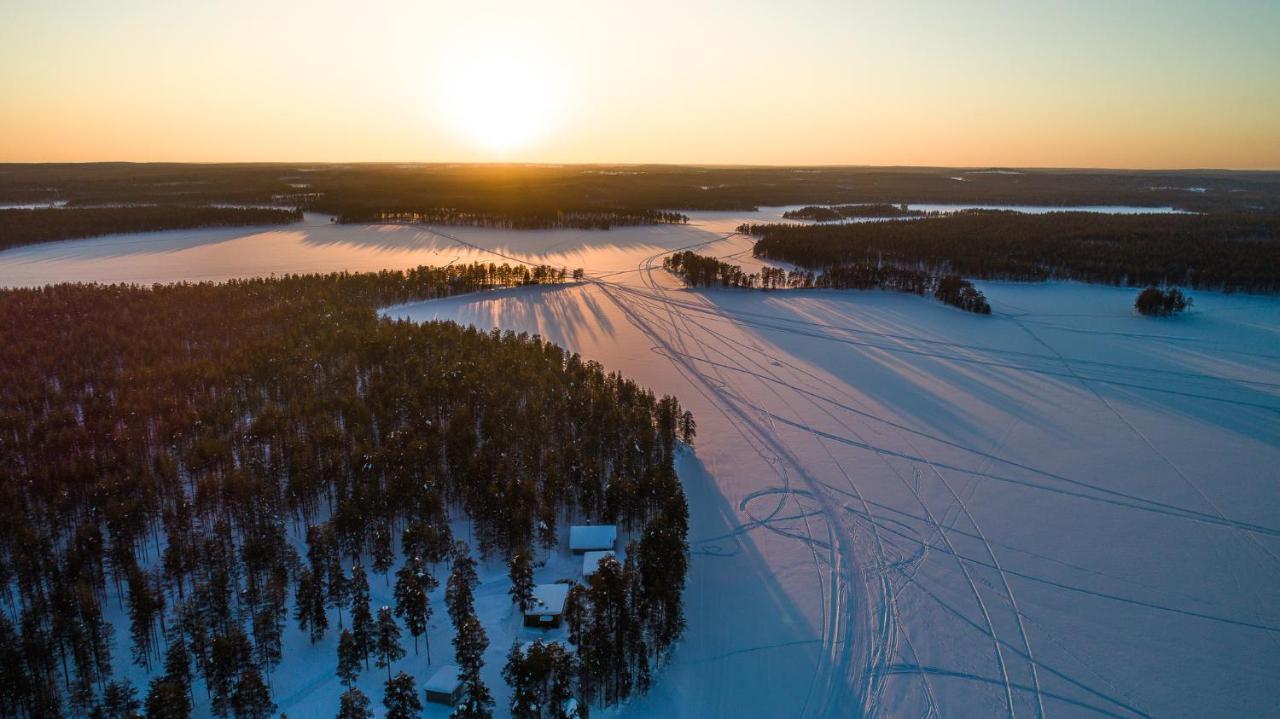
pixel 897 508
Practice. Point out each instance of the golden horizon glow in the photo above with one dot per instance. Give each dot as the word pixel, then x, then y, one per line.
pixel 499 102
pixel 1176 84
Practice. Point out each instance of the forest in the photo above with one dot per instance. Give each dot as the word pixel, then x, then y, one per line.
pixel 1231 251
pixel 703 271
pixel 28 226
pixel 230 460
pixel 354 189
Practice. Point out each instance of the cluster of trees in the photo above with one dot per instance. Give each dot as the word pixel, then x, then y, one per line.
pixel 24 227
pixel 519 220
pixel 1161 302
pixel 1234 252
pixel 842 212
pixel 959 292
pixel 543 678
pixel 703 271
pixel 168 447
pixel 625 621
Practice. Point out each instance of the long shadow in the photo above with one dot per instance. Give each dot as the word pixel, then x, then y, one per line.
pixel 748 650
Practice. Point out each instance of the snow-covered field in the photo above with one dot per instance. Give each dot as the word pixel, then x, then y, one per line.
pixel 898 508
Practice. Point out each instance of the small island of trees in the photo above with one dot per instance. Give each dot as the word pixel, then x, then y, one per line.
pixel 845 212
pixel 1161 303
pixel 703 271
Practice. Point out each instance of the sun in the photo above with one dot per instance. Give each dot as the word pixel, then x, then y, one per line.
pixel 501 103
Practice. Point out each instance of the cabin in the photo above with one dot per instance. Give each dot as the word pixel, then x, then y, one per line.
pixel 592 537
pixel 443 687
pixel 591 562
pixel 548 606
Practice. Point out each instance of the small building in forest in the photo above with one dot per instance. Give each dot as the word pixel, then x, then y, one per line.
pixel 548 606
pixel 591 561
pixel 443 687
pixel 592 537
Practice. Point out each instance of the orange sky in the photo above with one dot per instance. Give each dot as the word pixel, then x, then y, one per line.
pixel 1134 84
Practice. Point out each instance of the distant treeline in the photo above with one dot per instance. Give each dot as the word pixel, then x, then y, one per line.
pixel 841 212
pixel 703 271
pixel 24 227
pixel 517 189
pixel 555 219
pixel 1234 252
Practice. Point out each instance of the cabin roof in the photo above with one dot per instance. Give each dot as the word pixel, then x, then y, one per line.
pixel 548 599
pixel 591 561
pixel 444 681
pixel 592 536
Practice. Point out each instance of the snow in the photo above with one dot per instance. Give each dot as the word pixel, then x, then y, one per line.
pixel 896 508
pixel 601 536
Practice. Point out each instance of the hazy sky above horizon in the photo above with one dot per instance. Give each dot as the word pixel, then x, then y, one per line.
pixel 1178 83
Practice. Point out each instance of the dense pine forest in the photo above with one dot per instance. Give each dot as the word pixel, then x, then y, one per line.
pixel 703 271
pixel 1232 252
pixel 24 227
pixel 228 460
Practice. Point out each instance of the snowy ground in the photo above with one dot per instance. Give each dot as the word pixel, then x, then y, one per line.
pixel 897 508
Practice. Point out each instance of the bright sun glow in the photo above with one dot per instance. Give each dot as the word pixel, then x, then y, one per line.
pixel 500 103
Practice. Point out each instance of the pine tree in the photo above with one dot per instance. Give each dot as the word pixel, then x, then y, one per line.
pixel 353 704
pixel 526 699
pixel 120 701
pixel 177 667
pixel 458 591
pixel 348 658
pixel 309 605
pixel 520 568
pixel 361 618
pixel 688 428
pixel 401 698
pixel 229 654
pixel 387 640
pixel 251 699
pixel 469 644
pixel 383 554
pixel 412 603
pixel 166 699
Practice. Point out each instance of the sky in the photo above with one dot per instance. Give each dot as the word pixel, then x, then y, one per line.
pixel 1127 84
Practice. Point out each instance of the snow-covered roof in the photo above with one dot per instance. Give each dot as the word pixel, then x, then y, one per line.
pixel 548 599
pixel 598 536
pixel 591 561
pixel 444 681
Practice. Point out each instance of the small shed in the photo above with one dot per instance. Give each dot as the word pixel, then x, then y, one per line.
pixel 443 687
pixel 591 561
pixel 548 606
pixel 592 537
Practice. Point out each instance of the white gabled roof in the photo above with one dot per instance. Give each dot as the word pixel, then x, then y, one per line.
pixel 444 681
pixel 591 561
pixel 548 599
pixel 597 536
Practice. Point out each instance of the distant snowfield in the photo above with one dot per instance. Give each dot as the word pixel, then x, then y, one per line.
pixel 898 509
